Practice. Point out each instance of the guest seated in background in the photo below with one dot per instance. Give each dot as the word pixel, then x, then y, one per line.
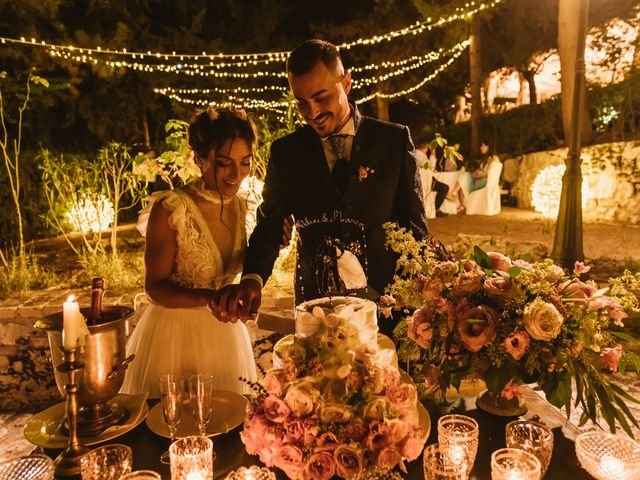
pixel 426 159
pixel 510 174
pixel 476 177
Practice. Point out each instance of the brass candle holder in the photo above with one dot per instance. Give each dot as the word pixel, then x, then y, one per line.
pixel 68 462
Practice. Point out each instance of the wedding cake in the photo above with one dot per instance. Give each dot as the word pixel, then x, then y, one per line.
pixel 349 319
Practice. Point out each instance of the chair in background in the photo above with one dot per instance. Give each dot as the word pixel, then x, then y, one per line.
pixel 486 201
pixel 428 195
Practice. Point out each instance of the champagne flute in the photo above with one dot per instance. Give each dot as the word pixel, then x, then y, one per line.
pixel 171 390
pixel 201 393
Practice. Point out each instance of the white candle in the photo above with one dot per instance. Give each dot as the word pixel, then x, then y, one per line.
pixel 610 465
pixel 514 475
pixel 457 454
pixel 195 476
pixel 70 326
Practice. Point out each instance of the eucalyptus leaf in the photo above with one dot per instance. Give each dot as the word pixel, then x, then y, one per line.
pixel 624 336
pixel 481 257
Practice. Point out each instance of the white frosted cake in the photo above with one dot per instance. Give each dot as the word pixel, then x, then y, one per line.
pixel 316 317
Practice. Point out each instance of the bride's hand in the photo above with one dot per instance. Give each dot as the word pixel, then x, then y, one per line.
pixel 236 302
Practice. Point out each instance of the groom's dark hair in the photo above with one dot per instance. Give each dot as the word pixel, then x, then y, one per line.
pixel 305 56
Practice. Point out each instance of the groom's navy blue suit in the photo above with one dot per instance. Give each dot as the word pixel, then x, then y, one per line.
pixel 299 182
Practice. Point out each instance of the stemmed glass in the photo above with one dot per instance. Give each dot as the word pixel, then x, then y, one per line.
pixel 201 393
pixel 171 391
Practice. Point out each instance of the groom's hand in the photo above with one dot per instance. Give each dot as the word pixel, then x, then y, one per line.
pixel 235 302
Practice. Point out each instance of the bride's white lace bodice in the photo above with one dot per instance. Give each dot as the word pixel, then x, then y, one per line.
pixel 198 262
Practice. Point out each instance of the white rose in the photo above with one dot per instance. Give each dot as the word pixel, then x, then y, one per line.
pixel 542 320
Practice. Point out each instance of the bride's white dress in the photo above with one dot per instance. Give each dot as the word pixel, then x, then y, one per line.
pixel 192 340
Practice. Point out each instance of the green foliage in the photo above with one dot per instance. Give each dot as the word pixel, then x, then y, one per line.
pixel 121 273
pixel 271 128
pixel 175 165
pixel 21 274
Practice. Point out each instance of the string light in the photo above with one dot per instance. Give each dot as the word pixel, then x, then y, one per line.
pixel 254 58
pixel 456 49
pixel 251 103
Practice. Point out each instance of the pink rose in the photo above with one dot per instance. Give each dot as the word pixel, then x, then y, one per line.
pixel 404 395
pixel 610 357
pixel 397 431
pixel 419 327
pixel 499 288
pixel 300 399
pixel 391 377
pixel 275 409
pixel 334 412
pixel 410 417
pixel 523 264
pixel 412 447
pixel 376 408
pixel 348 460
pixel 388 457
pixel 554 273
pixel 377 437
pixel 517 344
pixel 319 466
pixel 576 289
pixel 273 383
pixel 288 458
pixel 478 327
pixel 311 429
pixel 499 261
pixel 260 438
pixel 294 431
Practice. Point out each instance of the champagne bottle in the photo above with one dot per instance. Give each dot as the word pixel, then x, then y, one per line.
pixel 97 292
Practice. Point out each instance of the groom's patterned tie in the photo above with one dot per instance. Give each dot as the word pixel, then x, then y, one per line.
pixel 341 170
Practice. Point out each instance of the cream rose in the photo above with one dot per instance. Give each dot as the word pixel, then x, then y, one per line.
pixel 334 412
pixel 376 408
pixel 542 320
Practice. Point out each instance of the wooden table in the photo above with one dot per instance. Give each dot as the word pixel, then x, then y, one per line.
pixel 147 446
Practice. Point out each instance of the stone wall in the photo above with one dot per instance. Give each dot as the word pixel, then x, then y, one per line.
pixel 613 173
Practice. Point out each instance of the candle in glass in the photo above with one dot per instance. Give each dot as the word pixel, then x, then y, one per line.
pixel 252 473
pixel 610 465
pixel 514 464
pixel 192 458
pixel 458 434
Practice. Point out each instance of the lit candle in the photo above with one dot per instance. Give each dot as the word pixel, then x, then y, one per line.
pixel 70 333
pixel 74 327
pixel 195 476
pixel 610 465
pixel 514 475
pixel 457 454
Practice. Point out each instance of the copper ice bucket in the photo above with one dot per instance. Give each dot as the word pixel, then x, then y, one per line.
pixel 105 363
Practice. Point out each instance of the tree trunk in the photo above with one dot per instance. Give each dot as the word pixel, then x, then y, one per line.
pixel 383 108
pixel 145 126
pixel 476 84
pixel 521 91
pixel 567 49
pixel 530 77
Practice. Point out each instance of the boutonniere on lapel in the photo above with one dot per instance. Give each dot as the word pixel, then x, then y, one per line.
pixel 364 172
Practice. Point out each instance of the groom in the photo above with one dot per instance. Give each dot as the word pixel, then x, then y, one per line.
pixel 341 165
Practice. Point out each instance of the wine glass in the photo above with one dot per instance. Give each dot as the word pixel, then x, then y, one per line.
pixel 171 390
pixel 201 393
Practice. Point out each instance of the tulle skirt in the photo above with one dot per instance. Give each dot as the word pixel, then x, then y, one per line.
pixel 188 341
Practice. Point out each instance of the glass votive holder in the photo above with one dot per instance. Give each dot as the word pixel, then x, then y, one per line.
pixel 514 464
pixel 532 437
pixel 142 475
pixel 108 462
pixel 607 456
pixel 440 463
pixel 459 434
pixel 31 467
pixel 252 473
pixel 191 458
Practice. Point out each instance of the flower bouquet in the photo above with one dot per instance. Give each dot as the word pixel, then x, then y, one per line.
pixel 512 321
pixel 335 407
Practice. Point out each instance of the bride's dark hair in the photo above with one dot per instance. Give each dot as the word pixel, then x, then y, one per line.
pixel 211 128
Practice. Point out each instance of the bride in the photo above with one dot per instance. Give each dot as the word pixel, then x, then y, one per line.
pixel 195 243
